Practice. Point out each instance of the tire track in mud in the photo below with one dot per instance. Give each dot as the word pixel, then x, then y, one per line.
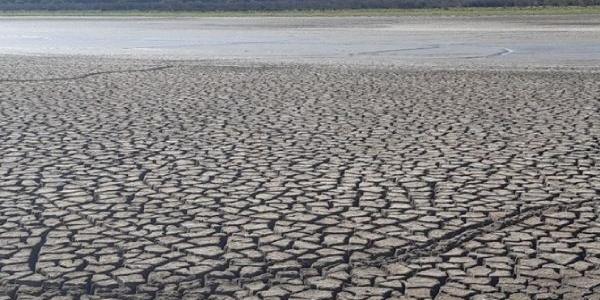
pixel 377 52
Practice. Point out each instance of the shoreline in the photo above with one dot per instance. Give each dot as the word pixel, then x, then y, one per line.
pixel 370 67
pixel 425 12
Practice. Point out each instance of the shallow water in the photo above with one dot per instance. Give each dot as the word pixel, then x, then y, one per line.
pixel 540 40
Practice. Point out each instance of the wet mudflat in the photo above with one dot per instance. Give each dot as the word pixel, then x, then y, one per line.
pixel 499 40
pixel 186 179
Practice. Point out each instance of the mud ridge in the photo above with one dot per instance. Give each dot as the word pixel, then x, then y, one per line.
pixel 86 75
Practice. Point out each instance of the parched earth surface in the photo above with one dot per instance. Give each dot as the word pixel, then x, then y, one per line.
pixel 139 179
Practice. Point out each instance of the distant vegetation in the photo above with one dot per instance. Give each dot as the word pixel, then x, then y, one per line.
pixel 365 12
pixel 271 5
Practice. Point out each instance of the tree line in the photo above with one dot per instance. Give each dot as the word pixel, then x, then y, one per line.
pixel 239 5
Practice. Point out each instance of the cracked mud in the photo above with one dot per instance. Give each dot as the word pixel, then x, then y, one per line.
pixel 142 180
